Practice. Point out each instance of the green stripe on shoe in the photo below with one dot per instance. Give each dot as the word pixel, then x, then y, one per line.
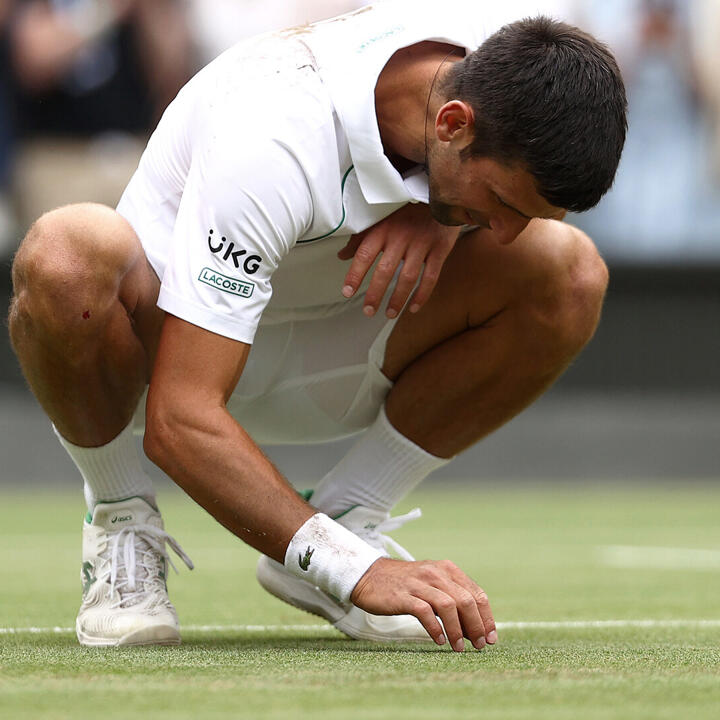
pixel 307 494
pixel 345 512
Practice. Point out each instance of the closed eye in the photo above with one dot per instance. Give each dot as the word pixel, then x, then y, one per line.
pixel 510 207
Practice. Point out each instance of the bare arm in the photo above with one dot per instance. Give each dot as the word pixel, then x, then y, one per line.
pixel 44 45
pixel 5 7
pixel 166 48
pixel 191 436
pixel 46 42
pixel 411 236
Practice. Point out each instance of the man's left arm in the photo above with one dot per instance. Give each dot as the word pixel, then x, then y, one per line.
pixel 411 236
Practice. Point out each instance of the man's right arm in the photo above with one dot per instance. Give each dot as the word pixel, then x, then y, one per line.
pixel 194 439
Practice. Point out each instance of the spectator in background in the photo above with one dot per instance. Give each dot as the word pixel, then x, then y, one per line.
pixel 91 78
pixel 705 26
pixel 664 205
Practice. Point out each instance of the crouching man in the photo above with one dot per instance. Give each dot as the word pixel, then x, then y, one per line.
pixel 440 152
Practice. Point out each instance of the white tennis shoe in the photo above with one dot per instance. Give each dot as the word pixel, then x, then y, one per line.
pixel 370 525
pixel 125 599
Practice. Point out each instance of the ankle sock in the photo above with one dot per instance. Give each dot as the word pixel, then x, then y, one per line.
pixel 379 470
pixel 111 472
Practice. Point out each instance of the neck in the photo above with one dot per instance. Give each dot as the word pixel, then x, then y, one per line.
pixel 406 98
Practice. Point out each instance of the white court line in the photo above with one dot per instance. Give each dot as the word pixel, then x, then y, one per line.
pixel 590 624
pixel 658 558
pixel 189 628
pixel 530 625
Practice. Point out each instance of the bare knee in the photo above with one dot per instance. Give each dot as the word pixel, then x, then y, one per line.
pixel 566 296
pixel 65 278
pixel 588 282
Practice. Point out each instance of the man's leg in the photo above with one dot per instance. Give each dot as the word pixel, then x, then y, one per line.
pixel 85 326
pixel 503 324
pixel 83 320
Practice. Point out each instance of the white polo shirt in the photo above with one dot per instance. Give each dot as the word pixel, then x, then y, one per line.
pixel 270 159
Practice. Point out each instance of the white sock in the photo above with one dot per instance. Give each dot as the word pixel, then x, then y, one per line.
pixel 111 472
pixel 379 470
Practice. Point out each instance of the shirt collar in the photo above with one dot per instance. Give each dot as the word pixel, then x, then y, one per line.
pixel 351 53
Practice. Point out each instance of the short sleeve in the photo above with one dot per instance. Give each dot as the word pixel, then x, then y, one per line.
pixel 245 202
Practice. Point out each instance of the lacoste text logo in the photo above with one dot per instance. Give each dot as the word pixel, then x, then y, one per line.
pixel 241 288
pixel 250 264
pixel 121 518
pixel 304 562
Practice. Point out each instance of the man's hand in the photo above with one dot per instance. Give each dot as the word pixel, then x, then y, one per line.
pixel 411 236
pixel 429 590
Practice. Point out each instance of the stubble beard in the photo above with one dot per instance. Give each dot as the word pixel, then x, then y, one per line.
pixel 442 212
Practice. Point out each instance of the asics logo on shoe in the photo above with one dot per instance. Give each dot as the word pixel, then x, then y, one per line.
pixel 87 571
pixel 304 562
pixel 121 518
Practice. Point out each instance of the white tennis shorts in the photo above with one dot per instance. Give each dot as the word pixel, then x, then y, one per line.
pixel 310 381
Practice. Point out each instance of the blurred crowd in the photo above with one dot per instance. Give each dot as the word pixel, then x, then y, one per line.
pixel 84 81
pixel 665 204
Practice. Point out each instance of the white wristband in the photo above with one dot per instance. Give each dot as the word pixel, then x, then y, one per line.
pixel 328 555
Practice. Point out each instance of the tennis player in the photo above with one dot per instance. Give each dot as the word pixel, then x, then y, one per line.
pixel 425 151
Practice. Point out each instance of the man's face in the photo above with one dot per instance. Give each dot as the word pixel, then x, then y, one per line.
pixel 485 193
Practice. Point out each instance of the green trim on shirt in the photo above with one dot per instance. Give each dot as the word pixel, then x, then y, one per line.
pixel 342 219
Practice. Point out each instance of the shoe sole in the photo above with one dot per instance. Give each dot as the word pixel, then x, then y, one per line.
pixel 305 596
pixel 301 594
pixel 156 635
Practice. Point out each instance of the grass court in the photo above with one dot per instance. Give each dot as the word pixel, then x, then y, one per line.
pixel 607 598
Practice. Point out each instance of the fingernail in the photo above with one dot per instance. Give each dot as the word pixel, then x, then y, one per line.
pixel 414 308
pixel 479 643
pixel 391 313
pixel 492 637
pixel 459 645
pixel 369 310
pixel 348 290
pixel 440 639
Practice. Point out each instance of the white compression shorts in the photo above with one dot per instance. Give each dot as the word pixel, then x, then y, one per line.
pixel 309 381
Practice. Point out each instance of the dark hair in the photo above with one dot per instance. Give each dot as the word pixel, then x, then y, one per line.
pixel 551 97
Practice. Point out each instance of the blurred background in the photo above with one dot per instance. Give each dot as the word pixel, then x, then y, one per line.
pixel 83 82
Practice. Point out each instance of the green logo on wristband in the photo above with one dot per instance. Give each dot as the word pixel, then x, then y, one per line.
pixel 304 562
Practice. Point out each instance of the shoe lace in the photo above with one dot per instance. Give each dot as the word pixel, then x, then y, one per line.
pixel 375 534
pixel 137 560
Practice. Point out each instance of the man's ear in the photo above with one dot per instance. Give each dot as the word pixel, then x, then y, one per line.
pixel 455 120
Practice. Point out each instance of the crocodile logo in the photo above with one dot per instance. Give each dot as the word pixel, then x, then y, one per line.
pixel 304 562
pixel 87 572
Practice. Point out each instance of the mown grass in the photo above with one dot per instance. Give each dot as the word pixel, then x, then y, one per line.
pixel 534 549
